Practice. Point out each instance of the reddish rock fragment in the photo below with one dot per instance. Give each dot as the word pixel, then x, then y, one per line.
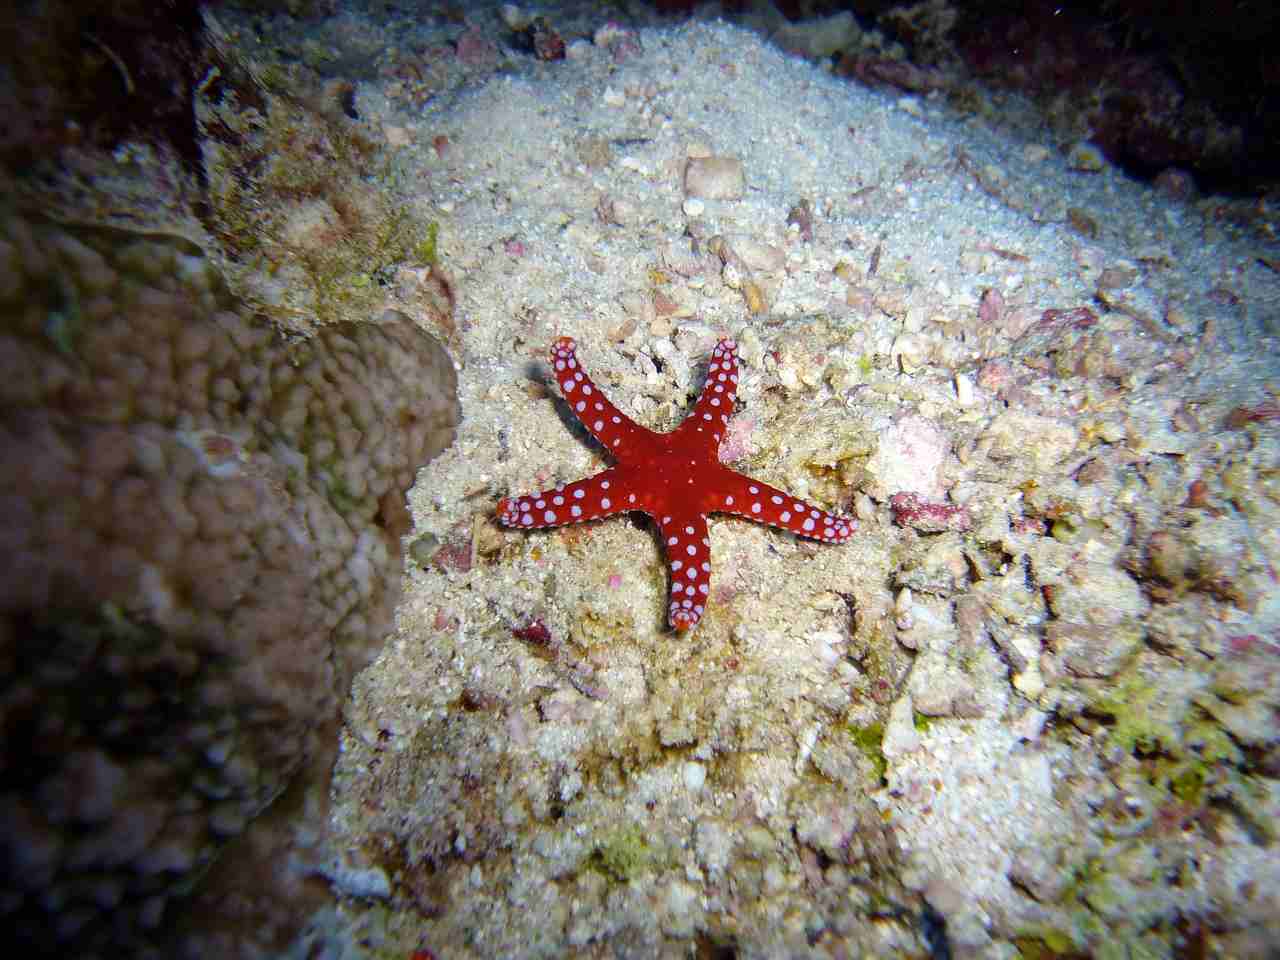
pixel 991 307
pixel 1082 223
pixel 1077 318
pixel 1173 183
pixel 1093 471
pixel 882 691
pixel 1197 494
pixel 663 305
pixel 910 511
pixel 534 632
pixel 454 556
pixel 476 49
pixel 802 216
pixel 1267 410
pixel 547 44
pixel 995 375
pixel 1030 525
pixel 882 71
pixel 1246 642
pixel 621 43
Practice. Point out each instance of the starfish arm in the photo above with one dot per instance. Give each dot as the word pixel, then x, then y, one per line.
pixel 603 420
pixel 762 503
pixel 715 403
pixel 688 551
pixel 590 499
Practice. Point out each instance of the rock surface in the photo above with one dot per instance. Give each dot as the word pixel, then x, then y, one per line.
pixel 206 518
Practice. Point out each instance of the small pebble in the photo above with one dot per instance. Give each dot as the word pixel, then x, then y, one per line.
pixel 714 178
pixel 908 352
pixel 1085 157
pixel 900 735
pixel 903 605
pixel 514 17
pixel 910 105
pixel 759 256
pixel 1175 184
pixel 695 776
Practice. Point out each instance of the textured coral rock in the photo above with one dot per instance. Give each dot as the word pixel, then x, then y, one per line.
pixel 200 522
pixel 302 205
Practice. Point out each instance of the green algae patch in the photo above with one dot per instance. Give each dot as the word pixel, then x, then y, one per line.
pixel 313 216
pixel 1137 718
pixel 869 739
pixel 625 853
pixel 1047 944
pixel 426 251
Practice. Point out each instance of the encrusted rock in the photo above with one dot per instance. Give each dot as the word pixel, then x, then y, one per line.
pixel 1018 647
pixel 1097 593
pixel 818 37
pixel 756 255
pixel 299 227
pixel 1036 870
pixel 900 735
pixel 909 458
pixel 940 689
pixel 1043 441
pixel 910 510
pixel 207 519
pixel 1086 157
pixel 935 565
pixel 1089 650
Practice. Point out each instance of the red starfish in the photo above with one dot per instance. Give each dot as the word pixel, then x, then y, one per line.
pixel 676 478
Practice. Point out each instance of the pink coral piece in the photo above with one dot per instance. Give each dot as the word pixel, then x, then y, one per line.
pixel 909 510
pixel 676 478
